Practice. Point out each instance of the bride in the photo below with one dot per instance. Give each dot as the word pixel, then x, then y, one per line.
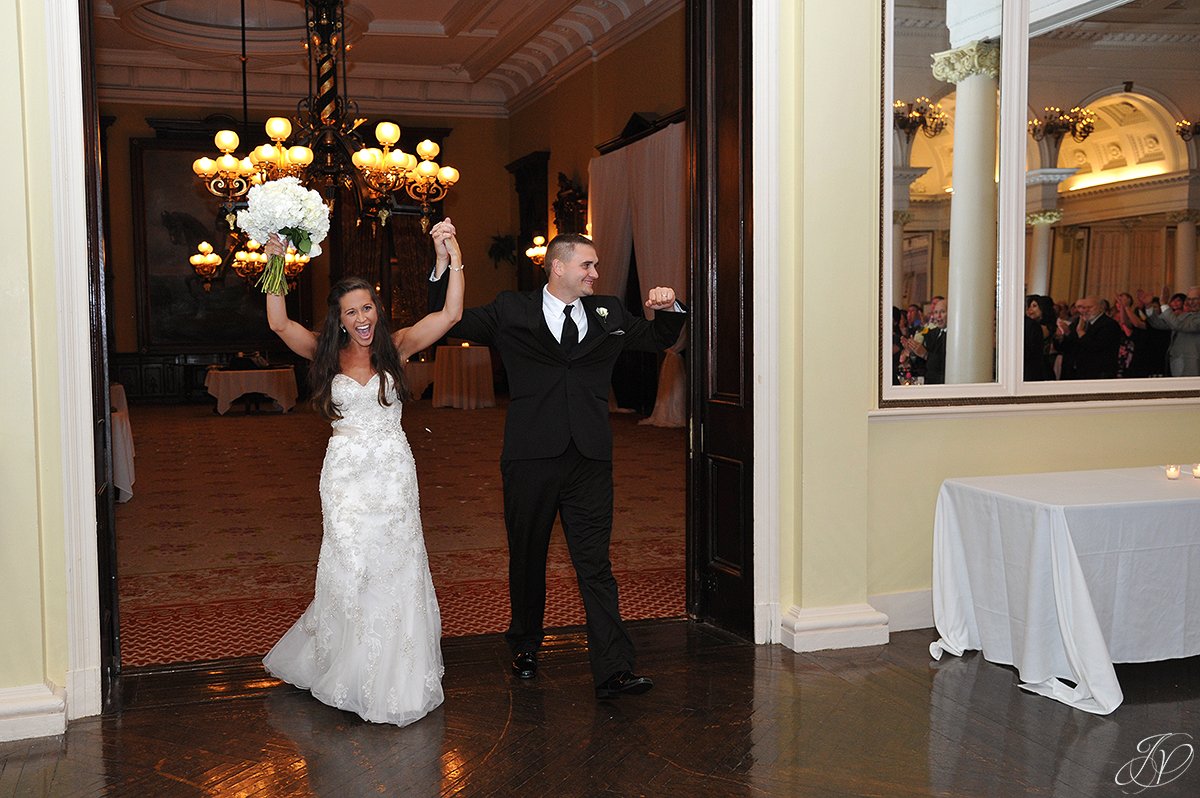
pixel 370 641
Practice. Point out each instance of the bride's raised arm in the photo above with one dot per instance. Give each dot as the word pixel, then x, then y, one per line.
pixel 432 327
pixel 298 339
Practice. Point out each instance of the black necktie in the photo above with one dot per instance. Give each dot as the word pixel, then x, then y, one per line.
pixel 570 333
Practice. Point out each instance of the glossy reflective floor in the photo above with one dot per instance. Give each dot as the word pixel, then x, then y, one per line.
pixel 726 719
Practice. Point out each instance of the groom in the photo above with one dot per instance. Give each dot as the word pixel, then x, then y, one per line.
pixel 559 346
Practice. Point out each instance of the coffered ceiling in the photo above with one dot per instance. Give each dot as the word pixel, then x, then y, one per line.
pixel 464 57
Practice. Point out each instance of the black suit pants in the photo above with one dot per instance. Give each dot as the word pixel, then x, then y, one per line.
pixel 580 491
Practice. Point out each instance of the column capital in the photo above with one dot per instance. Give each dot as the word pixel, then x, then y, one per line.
pixel 901 217
pixel 1184 216
pixel 976 58
pixel 1052 216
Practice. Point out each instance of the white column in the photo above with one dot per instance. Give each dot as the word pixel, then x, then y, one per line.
pixel 1185 249
pixel 1043 240
pixel 971 295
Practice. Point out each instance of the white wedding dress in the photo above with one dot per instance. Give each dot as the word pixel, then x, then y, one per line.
pixel 370 641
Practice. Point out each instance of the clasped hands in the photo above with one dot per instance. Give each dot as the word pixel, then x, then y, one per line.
pixel 660 298
pixel 445 241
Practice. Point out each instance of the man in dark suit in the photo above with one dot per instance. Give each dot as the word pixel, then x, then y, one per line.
pixel 559 346
pixel 1090 345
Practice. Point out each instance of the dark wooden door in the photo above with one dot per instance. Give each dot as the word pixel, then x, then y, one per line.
pixel 105 491
pixel 720 478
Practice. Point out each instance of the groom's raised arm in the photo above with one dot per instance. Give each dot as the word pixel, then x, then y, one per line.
pixel 477 324
pixel 663 331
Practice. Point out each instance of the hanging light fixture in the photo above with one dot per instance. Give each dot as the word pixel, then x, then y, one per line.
pixel 327 152
pixel 537 253
pixel 1187 130
pixel 1057 123
pixel 921 114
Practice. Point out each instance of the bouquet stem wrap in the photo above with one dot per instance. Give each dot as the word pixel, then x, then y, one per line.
pixel 297 214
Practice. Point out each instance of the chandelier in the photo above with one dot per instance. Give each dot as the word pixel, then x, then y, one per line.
pixel 1187 130
pixel 921 114
pixel 326 151
pixel 248 262
pixel 1057 123
pixel 537 253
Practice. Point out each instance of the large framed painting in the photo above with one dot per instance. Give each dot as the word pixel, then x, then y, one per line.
pixel 173 213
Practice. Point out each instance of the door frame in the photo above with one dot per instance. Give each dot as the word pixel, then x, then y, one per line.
pixel 767 98
pixel 65 103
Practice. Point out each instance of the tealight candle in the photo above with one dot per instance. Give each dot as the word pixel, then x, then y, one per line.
pixel 1172 472
pixel 466 345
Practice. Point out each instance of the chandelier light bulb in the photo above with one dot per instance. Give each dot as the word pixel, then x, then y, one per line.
pixel 427 169
pixel 278 128
pixel 204 248
pixel 226 140
pixel 196 260
pixel 246 167
pixel 201 166
pixel 448 175
pixel 228 163
pixel 388 133
pixel 301 156
pixel 396 161
pixel 428 150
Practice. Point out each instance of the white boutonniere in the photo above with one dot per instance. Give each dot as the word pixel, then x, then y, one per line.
pixel 602 312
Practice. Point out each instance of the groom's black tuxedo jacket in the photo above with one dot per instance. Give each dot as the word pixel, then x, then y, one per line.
pixel 554 399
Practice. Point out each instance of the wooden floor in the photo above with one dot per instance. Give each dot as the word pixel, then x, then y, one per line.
pixel 726 719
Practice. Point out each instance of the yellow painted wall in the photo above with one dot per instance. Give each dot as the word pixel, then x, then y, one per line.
pixel 859 490
pixel 591 106
pixel 32 566
pixel 480 206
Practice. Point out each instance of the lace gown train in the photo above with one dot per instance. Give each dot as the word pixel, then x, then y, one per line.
pixel 370 641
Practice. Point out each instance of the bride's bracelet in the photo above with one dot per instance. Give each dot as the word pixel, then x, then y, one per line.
pixel 461 266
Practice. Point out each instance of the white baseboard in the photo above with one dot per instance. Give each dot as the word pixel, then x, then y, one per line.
pixel 83 693
pixel 34 710
pixel 911 609
pixel 846 626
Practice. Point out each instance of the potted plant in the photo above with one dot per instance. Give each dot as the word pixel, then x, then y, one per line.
pixel 503 250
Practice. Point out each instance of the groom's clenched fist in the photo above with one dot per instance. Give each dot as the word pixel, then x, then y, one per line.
pixel 660 298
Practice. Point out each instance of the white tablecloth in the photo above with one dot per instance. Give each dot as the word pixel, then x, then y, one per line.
pixel 462 377
pixel 1061 575
pixel 122 454
pixel 227 386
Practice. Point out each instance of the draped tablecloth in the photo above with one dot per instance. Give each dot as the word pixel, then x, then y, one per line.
pixel 227 386
pixel 123 475
pixel 419 374
pixel 1063 574
pixel 462 377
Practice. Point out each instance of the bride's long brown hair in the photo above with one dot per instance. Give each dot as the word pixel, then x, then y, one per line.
pixel 326 364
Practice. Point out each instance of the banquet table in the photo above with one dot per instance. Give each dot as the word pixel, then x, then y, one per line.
pixel 1060 575
pixel 227 386
pixel 419 374
pixel 462 377
pixel 123 474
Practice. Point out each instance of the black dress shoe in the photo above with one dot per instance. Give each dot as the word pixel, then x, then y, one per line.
pixel 623 683
pixel 524 665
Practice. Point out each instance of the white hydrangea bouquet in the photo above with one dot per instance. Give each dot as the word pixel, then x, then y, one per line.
pixel 295 213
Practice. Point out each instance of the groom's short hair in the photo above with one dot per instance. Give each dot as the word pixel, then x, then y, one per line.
pixel 561 247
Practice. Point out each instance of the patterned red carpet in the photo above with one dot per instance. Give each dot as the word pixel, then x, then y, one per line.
pixel 217 549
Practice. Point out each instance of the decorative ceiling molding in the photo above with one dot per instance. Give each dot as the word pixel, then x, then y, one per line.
pixel 195 65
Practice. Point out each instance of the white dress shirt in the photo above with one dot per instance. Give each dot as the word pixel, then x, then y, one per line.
pixel 552 309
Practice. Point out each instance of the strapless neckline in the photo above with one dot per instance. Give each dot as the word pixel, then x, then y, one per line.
pixel 374 376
